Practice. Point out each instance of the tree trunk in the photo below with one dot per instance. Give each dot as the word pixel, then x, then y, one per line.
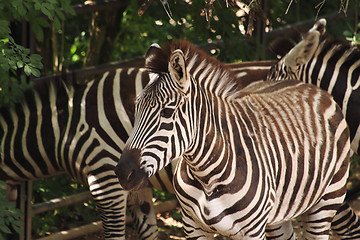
pixel 104 28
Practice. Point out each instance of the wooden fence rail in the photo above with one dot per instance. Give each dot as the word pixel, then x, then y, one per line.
pixel 30 210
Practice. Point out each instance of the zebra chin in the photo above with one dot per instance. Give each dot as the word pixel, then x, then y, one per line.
pixel 131 176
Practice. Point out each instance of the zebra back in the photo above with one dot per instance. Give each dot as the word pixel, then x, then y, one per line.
pixel 330 64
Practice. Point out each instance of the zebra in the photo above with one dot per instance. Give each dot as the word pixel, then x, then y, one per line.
pixel 65 127
pixel 61 126
pixel 132 81
pixel 334 66
pixel 330 64
pixel 246 154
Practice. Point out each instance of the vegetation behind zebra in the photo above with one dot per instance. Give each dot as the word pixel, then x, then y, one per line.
pixel 78 37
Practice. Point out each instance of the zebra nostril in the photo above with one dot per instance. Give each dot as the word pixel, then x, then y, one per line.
pixel 131 175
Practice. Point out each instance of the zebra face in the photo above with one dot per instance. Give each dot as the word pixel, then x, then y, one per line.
pixel 160 134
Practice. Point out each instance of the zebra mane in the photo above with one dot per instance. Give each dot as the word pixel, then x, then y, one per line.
pixel 41 86
pixel 197 61
pixel 59 83
pixel 282 46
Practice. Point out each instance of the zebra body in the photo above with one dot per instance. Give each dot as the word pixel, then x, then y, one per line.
pixel 330 64
pixel 81 130
pixel 200 193
pixel 77 129
pixel 334 66
pixel 243 152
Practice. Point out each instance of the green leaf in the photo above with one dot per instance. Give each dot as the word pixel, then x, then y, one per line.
pixel 21 9
pixel 37 5
pixel 18 230
pixel 27 70
pixel 60 14
pixel 57 23
pixel 26 51
pixel 18 222
pixel 66 5
pixel 347 33
pixel 4 229
pixel 4 28
pixel 12 64
pixel 50 6
pixel 46 11
pixel 42 22
pixel 38 31
pixel 73 49
pixel 35 72
pixel 35 59
pixel 8 52
pixel 25 58
pixel 20 64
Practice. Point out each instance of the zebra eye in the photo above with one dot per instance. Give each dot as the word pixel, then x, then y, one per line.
pixel 167 112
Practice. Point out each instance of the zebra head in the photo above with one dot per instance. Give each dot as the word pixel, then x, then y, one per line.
pixel 290 65
pixel 161 133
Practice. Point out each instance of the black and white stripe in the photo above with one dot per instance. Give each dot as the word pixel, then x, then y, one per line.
pixel 333 65
pixel 330 64
pixel 250 158
pixel 80 129
pixel 61 126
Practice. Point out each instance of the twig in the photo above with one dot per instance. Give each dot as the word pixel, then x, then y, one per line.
pixel 168 10
pixel 287 9
pixel 320 5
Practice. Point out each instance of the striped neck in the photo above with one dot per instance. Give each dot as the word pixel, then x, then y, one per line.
pixel 210 143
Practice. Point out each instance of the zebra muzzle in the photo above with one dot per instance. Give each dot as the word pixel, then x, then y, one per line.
pixel 128 171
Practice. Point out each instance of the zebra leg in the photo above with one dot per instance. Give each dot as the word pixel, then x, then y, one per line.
pixel 282 231
pixel 110 200
pixel 142 210
pixel 317 220
pixel 346 224
pixel 316 223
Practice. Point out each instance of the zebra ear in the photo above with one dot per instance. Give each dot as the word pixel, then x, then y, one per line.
pixel 177 67
pixel 319 26
pixel 152 50
pixel 303 51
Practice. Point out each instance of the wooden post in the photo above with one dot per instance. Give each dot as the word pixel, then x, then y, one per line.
pixel 24 200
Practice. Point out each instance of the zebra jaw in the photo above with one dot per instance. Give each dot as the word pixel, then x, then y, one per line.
pixel 129 172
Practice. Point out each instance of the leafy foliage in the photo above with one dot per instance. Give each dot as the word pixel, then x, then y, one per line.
pixel 353 34
pixel 14 57
pixel 65 217
pixel 161 22
pixel 10 215
pixel 182 19
pixel 162 196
